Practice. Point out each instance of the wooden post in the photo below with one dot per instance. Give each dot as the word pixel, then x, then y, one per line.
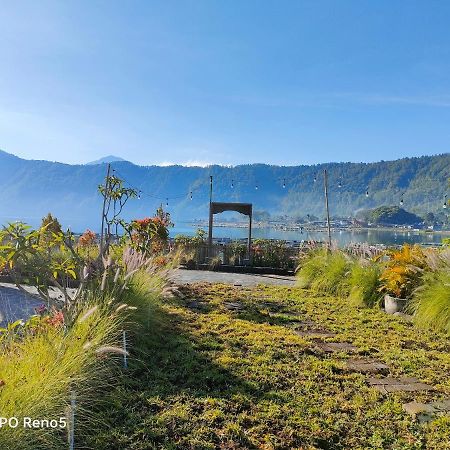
pixel 125 359
pixel 72 421
pixel 250 238
pixel 210 230
pixel 325 181
pixel 104 208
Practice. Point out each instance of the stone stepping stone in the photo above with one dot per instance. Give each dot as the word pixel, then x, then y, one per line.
pixel 234 306
pixel 389 384
pixel 307 324
pixel 367 366
pixel 196 305
pixel 273 307
pixel 334 347
pixel 315 332
pixel 424 412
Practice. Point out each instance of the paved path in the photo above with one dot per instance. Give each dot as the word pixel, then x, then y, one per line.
pixel 183 276
pixel 15 305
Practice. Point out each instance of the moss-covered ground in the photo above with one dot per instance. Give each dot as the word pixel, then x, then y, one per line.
pixel 211 375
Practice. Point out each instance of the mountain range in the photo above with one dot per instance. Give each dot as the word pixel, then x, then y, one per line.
pixel 29 189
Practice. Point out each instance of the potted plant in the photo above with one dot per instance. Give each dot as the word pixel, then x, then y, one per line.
pixel 401 275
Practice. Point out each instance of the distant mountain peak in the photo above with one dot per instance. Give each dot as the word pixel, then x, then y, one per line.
pixel 106 160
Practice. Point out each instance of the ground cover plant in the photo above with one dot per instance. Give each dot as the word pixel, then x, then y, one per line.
pixel 227 368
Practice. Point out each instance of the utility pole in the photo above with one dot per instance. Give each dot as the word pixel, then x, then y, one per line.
pixel 325 182
pixel 210 216
pixel 105 194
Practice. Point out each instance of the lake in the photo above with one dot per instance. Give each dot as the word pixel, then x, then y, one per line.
pixel 342 237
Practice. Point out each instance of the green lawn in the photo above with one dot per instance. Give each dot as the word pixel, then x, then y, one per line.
pixel 207 377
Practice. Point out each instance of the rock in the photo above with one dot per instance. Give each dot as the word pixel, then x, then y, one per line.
pixel 425 412
pixel 415 408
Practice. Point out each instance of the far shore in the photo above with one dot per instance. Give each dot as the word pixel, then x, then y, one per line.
pixel 259 225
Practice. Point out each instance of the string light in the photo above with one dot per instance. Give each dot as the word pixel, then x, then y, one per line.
pixel 445 202
pixel 141 193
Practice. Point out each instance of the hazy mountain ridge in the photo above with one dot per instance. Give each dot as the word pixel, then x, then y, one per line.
pixel 29 189
pixel 105 160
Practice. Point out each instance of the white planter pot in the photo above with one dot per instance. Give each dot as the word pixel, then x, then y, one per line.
pixel 393 304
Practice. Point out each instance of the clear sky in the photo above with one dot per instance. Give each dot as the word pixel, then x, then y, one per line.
pixel 229 82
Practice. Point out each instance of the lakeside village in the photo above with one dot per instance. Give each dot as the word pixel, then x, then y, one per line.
pixel 383 219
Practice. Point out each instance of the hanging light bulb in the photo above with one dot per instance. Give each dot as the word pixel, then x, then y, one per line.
pixel 256 186
pixel 284 183
pixel 315 178
pixel 401 202
pixel 167 202
pixel 232 184
pixel 445 202
pixel 190 195
pixel 367 192
pixel 139 195
pixel 340 184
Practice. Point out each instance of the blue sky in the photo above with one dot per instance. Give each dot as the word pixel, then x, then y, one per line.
pixel 228 82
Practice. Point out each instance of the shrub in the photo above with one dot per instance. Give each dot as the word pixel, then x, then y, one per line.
pixel 271 253
pixel 326 273
pixel 364 283
pixel 215 263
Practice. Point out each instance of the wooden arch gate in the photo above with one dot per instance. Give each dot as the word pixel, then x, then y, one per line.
pixel 243 208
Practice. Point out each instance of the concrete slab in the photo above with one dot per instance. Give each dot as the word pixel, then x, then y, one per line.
pixel 184 276
pixel 335 347
pixel 367 366
pixel 406 384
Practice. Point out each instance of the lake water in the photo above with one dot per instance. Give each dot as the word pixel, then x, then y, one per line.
pixel 342 237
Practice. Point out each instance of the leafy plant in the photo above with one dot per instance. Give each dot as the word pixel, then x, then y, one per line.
pixel 45 263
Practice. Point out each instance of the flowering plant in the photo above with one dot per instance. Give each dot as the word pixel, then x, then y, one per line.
pixel 403 271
